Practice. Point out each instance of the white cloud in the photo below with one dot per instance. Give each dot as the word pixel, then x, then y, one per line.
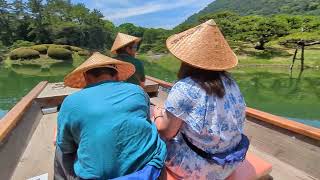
pixel 139 9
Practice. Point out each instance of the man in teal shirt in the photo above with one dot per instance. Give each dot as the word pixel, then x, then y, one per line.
pixel 125 47
pixel 106 126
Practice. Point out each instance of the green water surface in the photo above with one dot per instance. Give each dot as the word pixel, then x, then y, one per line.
pixel 267 89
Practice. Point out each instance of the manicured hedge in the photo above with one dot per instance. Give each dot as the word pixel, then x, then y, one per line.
pixel 24 53
pixel 59 53
pixel 83 53
pixel 42 49
pixel 60 46
pixel 76 49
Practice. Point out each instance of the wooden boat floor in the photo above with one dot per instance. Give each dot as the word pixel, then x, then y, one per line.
pixel 39 154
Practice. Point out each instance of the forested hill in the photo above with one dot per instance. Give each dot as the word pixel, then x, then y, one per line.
pixel 261 7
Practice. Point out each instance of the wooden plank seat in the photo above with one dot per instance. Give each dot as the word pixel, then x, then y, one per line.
pixel 252 168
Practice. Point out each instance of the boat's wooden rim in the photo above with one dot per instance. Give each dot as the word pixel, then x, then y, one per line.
pixel 10 120
pixel 293 126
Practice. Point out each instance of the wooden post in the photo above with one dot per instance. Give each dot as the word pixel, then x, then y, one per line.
pixel 294 58
pixel 302 58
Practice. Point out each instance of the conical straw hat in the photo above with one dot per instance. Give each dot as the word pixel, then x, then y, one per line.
pixel 76 78
pixel 123 40
pixel 203 47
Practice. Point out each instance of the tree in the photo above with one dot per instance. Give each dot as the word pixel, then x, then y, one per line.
pixel 110 30
pixel 260 30
pixel 21 21
pixel 78 13
pixel 57 11
pixel 225 20
pixel 5 23
pixel 154 40
pixel 131 29
pixel 300 41
pixel 39 29
pixel 268 29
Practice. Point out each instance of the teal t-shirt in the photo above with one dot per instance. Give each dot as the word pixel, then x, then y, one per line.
pixel 108 126
pixel 139 75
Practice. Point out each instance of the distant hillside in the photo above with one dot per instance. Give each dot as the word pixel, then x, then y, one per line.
pixel 261 7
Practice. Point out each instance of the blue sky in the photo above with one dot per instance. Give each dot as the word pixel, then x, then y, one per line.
pixel 147 13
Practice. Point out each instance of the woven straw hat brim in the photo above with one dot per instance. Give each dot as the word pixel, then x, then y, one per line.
pixel 123 40
pixel 203 47
pixel 76 78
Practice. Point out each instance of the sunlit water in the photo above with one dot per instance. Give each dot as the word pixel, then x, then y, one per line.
pixel 267 89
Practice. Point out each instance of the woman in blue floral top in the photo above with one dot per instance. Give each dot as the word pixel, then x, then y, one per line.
pixel 204 113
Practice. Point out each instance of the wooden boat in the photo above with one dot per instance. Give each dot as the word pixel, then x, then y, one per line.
pixel 27 150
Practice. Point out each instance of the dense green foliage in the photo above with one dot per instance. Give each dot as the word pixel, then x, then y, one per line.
pixel 24 53
pixel 260 30
pixel 59 53
pixel 31 22
pixel 153 39
pixel 21 43
pixel 54 21
pixel 26 23
pixel 260 7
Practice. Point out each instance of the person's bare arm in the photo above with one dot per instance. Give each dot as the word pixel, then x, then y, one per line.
pixel 142 84
pixel 167 124
pixel 54 136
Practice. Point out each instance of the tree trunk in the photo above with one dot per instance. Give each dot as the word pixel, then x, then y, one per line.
pixel 294 58
pixel 302 58
pixel 260 46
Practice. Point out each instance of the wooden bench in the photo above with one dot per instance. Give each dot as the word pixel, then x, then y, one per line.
pixel 250 169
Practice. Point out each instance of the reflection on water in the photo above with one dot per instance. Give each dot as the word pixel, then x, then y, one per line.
pixel 2 113
pixel 266 89
pixel 275 92
pixel 18 80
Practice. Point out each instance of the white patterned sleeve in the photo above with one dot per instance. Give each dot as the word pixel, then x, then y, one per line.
pixel 178 103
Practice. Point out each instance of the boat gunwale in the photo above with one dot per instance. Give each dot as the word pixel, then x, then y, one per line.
pixel 299 128
pixel 13 117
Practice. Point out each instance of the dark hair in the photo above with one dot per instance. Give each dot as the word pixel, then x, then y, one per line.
pixel 96 72
pixel 210 81
pixel 123 50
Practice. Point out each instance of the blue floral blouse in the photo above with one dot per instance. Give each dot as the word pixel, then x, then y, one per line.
pixel 212 124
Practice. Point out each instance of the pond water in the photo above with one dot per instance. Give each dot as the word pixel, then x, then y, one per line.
pixel 274 90
pixel 267 89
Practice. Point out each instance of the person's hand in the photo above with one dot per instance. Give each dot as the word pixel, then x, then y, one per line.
pixel 157 112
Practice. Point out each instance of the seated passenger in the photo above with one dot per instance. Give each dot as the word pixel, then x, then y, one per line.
pixel 104 130
pixel 204 114
pixel 126 47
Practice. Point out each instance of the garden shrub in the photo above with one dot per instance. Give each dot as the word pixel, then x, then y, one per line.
pixel 83 53
pixel 24 53
pixel 59 53
pixel 60 46
pixel 42 49
pixel 76 49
